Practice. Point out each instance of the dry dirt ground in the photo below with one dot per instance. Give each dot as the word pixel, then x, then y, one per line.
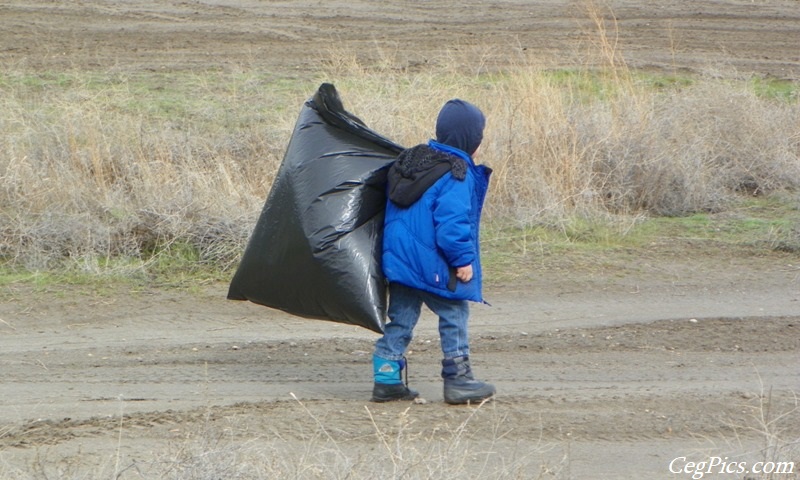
pixel 605 367
pixel 291 36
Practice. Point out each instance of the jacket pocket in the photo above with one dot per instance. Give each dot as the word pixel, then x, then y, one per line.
pixel 432 268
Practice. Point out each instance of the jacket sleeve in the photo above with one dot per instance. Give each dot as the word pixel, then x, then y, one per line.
pixel 451 217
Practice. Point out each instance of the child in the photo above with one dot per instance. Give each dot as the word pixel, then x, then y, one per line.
pixel 431 253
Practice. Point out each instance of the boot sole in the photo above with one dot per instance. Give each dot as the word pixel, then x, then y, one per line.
pixel 468 400
pixel 469 397
pixel 393 399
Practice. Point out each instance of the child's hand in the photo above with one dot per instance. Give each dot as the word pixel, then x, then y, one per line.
pixel 464 273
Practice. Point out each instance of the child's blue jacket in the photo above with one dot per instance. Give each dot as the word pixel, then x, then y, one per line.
pixel 425 242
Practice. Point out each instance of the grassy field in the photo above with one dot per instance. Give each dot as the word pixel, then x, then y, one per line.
pixel 141 174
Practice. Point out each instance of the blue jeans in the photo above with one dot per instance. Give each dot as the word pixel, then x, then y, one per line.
pixel 405 306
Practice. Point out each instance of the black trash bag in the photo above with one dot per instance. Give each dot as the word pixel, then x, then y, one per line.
pixel 315 251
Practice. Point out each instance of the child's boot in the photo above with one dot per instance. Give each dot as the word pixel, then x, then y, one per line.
pixel 460 385
pixel 389 384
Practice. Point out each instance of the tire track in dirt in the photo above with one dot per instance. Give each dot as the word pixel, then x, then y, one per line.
pixel 623 383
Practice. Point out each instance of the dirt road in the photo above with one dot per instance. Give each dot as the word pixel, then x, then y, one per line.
pixel 610 372
pixel 606 369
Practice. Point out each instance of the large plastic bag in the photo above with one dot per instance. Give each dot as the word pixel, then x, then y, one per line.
pixel 315 251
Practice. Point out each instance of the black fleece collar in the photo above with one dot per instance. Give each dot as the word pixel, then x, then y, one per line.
pixel 417 169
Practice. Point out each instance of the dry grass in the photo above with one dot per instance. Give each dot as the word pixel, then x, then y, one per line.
pixel 475 442
pixel 398 445
pixel 108 167
pixel 121 167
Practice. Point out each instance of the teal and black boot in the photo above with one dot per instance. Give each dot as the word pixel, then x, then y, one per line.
pixel 460 385
pixel 389 384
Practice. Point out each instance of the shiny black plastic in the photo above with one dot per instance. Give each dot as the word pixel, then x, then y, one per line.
pixel 315 250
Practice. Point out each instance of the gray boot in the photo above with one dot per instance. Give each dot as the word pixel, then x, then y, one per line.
pixel 460 385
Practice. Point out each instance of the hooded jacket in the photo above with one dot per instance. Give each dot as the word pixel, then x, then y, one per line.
pixel 436 195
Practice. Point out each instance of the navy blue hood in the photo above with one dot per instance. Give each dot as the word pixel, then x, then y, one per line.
pixel 460 124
